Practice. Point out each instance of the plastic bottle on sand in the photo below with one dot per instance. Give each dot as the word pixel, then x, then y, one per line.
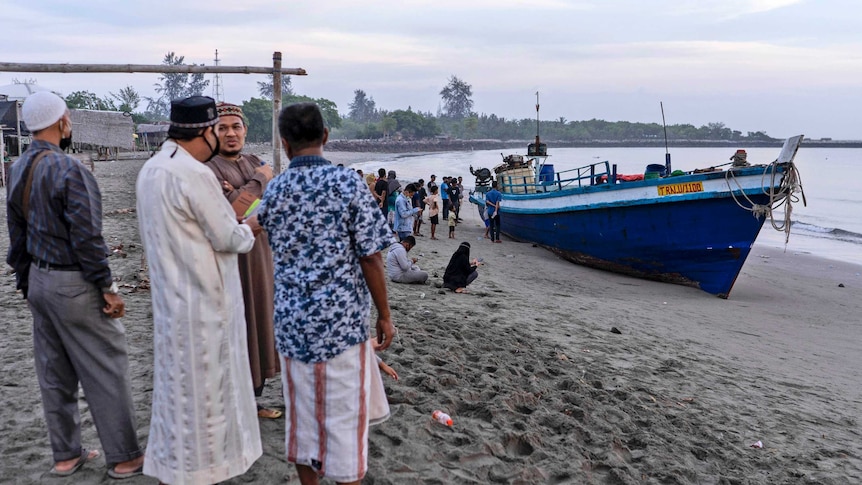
pixel 441 417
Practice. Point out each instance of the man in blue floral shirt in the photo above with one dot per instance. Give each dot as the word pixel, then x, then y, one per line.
pixel 326 235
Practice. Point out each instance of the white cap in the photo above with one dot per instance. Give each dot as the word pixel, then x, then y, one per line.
pixel 42 109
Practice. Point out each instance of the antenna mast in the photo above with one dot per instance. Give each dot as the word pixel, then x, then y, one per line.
pixel 218 89
pixel 537 119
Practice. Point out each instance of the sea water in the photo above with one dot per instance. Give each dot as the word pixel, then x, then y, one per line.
pixel 829 226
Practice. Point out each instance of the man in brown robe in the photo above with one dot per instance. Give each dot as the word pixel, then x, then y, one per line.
pixel 243 178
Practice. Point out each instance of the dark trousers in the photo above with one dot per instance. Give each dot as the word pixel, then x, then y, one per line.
pixel 73 341
pixel 495 227
pixel 446 207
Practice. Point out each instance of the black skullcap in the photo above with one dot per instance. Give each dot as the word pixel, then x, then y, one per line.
pixel 193 112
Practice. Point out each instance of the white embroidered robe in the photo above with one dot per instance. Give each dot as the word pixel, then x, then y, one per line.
pixel 204 426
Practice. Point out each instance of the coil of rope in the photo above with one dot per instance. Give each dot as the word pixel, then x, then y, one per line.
pixel 783 194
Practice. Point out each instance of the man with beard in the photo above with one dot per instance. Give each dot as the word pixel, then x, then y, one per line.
pixel 204 426
pixel 54 213
pixel 244 177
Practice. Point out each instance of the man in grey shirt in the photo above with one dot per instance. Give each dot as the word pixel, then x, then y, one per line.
pixel 399 267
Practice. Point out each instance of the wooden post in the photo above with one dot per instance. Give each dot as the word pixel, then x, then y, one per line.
pixel 276 109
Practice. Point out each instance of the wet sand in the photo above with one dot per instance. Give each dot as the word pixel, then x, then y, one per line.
pixel 539 387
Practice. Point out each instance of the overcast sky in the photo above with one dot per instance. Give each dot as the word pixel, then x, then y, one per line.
pixel 781 66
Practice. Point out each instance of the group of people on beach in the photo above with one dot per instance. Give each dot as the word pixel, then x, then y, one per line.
pixel 252 275
pixel 404 211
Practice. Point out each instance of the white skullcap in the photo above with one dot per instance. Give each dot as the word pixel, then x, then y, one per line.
pixel 42 109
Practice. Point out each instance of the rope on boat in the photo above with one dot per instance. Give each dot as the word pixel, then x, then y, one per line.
pixel 784 194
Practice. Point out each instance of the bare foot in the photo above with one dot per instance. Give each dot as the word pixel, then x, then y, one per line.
pixel 461 290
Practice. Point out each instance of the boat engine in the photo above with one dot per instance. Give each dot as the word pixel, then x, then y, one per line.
pixel 483 176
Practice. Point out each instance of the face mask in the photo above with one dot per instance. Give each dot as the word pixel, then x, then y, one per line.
pixel 66 142
pixel 215 150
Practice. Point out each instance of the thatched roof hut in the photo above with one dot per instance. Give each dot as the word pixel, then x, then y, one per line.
pixel 103 128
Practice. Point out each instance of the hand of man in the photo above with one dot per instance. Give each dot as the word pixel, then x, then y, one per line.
pixel 114 305
pixel 266 170
pixel 253 224
pixel 385 333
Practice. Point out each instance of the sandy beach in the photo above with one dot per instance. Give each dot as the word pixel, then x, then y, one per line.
pixel 541 390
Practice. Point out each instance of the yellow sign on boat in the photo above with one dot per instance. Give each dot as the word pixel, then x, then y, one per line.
pixel 676 189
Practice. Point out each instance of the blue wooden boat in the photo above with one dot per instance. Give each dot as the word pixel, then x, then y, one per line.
pixel 693 228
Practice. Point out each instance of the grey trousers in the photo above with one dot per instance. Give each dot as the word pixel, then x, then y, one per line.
pixel 412 276
pixel 74 341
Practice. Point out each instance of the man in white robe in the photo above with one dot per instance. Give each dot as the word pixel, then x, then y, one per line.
pixel 204 426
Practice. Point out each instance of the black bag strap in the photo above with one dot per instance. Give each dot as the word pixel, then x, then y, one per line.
pixel 29 183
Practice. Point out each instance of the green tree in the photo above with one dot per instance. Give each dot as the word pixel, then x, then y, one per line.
pixel 128 98
pixel 327 107
pixel 174 86
pixel 457 102
pixel 265 88
pixel 362 109
pixel 388 125
pixel 258 113
pixel 471 124
pixel 89 100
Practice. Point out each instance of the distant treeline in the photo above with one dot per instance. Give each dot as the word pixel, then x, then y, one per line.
pixel 447 145
pixel 409 125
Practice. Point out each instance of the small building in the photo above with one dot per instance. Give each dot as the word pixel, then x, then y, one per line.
pixel 150 136
pixel 106 132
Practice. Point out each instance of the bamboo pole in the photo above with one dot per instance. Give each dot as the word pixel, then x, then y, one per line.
pixel 151 68
pixel 276 71
pixel 276 109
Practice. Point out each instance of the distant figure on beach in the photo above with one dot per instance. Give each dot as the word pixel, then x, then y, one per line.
pixel 433 204
pixel 405 213
pixel 453 221
pixel 492 202
pixel 381 190
pixel 54 214
pixel 243 178
pixel 204 426
pixel 455 197
pixel 444 195
pixel 461 271
pixel 393 189
pixel 419 201
pixel 432 182
pixel 326 238
pixel 399 267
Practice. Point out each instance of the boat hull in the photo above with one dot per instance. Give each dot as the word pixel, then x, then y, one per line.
pixel 666 243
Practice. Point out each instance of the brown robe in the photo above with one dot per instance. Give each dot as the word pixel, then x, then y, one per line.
pixel 255 270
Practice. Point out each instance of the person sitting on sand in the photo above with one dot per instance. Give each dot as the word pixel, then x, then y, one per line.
pixel 461 271
pixel 399 267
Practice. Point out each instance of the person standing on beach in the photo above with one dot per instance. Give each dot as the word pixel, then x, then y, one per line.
pixel 54 216
pixel 492 202
pixel 419 201
pixel 326 238
pixel 444 194
pixel 381 191
pixel 405 213
pixel 433 203
pixel 204 427
pixel 243 178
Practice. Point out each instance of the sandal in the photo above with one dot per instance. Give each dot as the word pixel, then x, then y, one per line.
pixel 265 413
pixel 86 456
